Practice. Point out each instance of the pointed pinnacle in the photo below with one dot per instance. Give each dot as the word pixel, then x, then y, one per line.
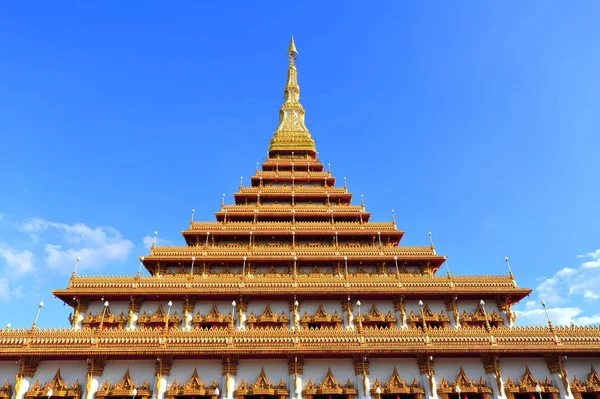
pixel 292 52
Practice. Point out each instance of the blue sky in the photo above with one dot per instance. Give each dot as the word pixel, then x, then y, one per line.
pixel 478 123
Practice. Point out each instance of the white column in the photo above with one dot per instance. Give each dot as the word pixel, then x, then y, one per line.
pixel 295 386
pixel 188 320
pixel 496 385
pixel 161 386
pixel 242 320
pixel 77 323
pixel 429 386
pixel 558 382
pixel 92 387
pixel 23 387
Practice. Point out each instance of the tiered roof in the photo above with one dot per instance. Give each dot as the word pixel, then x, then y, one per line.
pixel 293 219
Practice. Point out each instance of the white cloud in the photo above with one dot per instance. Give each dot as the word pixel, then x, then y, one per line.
pixel 595 262
pixel 159 242
pixel 95 245
pixel 17 262
pixel 566 294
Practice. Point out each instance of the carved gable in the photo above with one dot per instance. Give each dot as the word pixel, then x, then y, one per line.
pixel 261 387
pixel 397 386
pixel 158 318
pixel 194 387
pixel 58 387
pixel 322 318
pixel 527 384
pixel 590 384
pixel 329 387
pixel 125 387
pixel 106 317
pixel 6 390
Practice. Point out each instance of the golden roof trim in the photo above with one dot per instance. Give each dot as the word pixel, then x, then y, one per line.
pixel 221 340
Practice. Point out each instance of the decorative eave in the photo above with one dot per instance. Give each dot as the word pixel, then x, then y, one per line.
pixel 407 285
pixel 300 210
pixel 324 252
pixel 296 189
pixel 272 164
pixel 515 341
pixel 300 175
pixel 202 227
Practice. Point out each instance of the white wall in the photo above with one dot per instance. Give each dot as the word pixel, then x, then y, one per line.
pixel 8 371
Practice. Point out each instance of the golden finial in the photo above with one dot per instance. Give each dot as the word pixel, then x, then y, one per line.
pixel 292 135
pixel 292 52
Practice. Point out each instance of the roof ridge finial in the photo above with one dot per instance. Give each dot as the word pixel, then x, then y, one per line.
pixel 292 133
pixel 292 51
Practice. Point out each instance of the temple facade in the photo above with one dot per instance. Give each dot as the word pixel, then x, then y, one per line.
pixel 293 292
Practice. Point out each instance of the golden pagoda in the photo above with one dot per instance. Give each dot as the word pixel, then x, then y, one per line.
pixel 293 292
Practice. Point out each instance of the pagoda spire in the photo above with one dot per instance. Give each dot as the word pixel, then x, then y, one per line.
pixel 292 134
